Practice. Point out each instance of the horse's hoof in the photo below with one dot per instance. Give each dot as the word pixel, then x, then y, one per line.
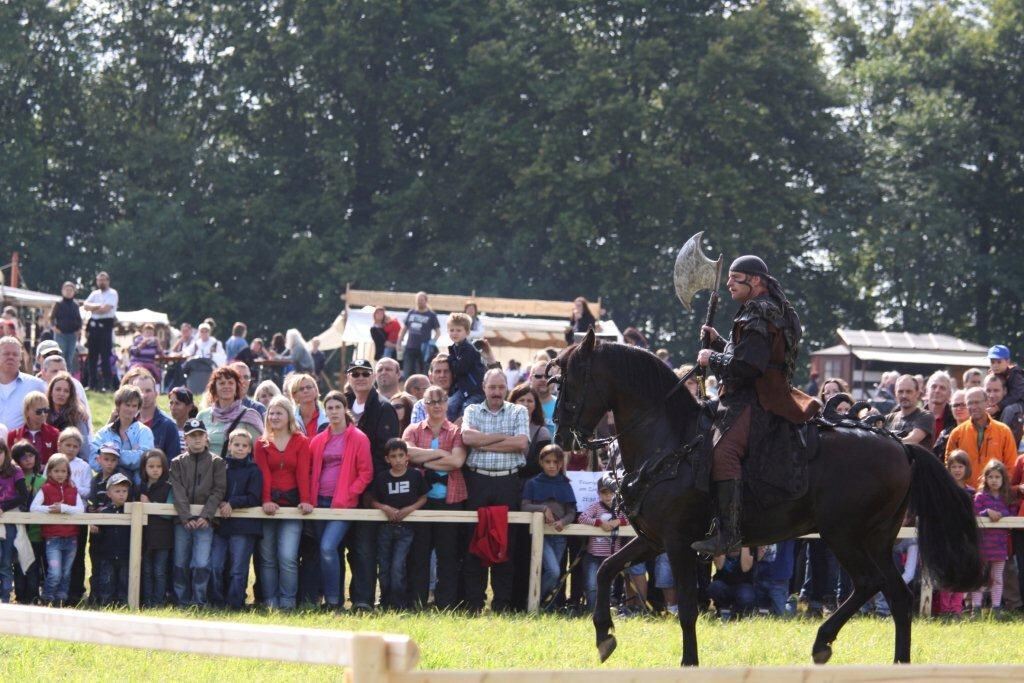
pixel 823 655
pixel 606 647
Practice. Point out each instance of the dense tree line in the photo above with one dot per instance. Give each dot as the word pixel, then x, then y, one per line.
pixel 247 159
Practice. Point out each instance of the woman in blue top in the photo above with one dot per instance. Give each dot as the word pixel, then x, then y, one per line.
pixel 131 436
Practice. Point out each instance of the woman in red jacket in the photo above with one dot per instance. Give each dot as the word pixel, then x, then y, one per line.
pixel 282 454
pixel 342 469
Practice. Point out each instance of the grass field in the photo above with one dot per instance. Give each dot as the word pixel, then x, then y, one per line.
pixel 547 642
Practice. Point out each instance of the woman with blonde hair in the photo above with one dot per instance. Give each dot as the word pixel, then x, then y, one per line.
pixel 282 454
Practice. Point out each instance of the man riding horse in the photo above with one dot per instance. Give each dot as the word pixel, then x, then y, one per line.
pixel 754 370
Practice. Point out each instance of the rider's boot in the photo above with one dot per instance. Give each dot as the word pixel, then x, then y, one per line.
pixel 726 537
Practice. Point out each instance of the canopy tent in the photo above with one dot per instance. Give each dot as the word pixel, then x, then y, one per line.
pixel 26 298
pixel 509 337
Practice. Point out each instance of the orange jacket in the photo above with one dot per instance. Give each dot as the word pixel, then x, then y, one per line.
pixel 997 444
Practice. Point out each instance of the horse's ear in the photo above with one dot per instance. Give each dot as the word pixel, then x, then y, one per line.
pixel 589 342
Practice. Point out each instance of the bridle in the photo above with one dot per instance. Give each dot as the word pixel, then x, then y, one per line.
pixel 581 441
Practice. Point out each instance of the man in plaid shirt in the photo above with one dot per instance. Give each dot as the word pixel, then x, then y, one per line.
pixel 497 432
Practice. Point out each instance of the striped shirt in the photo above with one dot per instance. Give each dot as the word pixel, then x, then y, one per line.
pixel 511 420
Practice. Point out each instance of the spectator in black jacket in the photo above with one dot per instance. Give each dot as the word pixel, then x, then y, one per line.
pixel 235 539
pixel 376 418
pixel 67 323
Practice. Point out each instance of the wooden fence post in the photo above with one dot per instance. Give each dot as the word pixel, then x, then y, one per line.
pixel 927 592
pixel 536 560
pixel 138 514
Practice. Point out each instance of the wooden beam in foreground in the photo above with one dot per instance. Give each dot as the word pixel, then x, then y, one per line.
pixel 375 653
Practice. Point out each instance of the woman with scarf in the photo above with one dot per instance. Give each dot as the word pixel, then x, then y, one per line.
pixel 225 412
pixel 67 409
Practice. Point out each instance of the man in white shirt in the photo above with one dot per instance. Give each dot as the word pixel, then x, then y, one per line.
pixel 207 346
pixel 102 307
pixel 14 384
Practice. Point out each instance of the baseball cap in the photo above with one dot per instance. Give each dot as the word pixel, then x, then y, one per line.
pixel 118 478
pixel 360 364
pixel 999 352
pixel 194 425
pixel 47 348
pixel 111 447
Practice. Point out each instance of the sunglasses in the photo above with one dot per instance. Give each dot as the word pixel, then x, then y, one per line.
pixel 42 411
pixel 438 402
pixel 540 376
pixel 359 373
pixel 959 405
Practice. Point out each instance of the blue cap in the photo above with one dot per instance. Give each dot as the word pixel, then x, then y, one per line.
pixel 999 352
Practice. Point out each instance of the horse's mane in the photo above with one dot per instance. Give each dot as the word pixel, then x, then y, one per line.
pixel 647 374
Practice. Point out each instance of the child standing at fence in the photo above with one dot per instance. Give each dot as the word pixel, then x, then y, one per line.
pixel 13 495
pixel 551 493
pixel 599 548
pixel 158 537
pixel 397 492
pixel 992 501
pixel 112 543
pixel 235 539
pixel 28 582
pixel 69 444
pixel 959 466
pixel 58 496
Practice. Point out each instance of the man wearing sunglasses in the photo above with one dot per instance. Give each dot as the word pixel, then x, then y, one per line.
pixel 376 418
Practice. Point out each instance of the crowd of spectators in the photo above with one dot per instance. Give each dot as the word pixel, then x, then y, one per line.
pixel 414 428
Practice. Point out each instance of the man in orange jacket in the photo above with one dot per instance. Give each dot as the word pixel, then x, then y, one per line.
pixel 981 437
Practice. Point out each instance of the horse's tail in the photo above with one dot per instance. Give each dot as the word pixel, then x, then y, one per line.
pixel 947 531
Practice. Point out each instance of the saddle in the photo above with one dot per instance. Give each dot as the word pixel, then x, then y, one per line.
pixel 776 467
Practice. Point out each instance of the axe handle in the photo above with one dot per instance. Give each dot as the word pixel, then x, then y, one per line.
pixel 705 338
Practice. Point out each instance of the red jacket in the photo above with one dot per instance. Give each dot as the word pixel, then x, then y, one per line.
pixel 490 537
pixel 45 440
pixel 356 466
pixel 285 471
pixel 59 493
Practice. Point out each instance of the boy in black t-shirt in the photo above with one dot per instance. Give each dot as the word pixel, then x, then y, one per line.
pixel 396 492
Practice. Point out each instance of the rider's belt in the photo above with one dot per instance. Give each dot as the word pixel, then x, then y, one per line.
pixel 494 473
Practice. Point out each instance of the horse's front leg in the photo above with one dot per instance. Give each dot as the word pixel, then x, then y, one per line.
pixel 634 551
pixel 684 569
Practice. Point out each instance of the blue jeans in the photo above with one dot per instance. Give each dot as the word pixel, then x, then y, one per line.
pixel 60 555
pixel 551 563
pixel 458 402
pixel 68 344
pixel 393 544
pixel 773 595
pixel 192 565
pixel 738 598
pixel 331 536
pixel 154 577
pixel 110 581
pixel 235 553
pixel 7 556
pixel 279 556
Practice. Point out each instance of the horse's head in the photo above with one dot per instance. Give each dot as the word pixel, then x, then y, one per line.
pixel 582 401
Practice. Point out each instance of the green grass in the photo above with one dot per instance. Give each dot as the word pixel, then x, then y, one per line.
pixel 547 642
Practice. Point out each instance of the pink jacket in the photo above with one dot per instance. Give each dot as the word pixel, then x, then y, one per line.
pixel 356 466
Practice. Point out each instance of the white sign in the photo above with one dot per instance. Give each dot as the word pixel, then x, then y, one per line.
pixel 584 487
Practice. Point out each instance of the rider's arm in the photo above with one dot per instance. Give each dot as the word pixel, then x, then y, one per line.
pixel 748 358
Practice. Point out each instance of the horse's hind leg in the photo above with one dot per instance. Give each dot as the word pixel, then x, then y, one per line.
pixel 635 550
pixel 901 605
pixel 867 580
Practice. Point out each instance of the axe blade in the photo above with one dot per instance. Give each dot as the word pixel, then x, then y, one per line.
pixel 694 271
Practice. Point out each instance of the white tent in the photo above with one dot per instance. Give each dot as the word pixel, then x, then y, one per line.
pixel 508 336
pixel 15 296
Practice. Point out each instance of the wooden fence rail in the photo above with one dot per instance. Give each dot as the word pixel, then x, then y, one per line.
pixel 136 515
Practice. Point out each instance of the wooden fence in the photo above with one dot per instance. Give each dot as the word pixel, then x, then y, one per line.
pixel 136 515
pixel 384 658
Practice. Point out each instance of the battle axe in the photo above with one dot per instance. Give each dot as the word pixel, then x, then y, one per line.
pixel 695 272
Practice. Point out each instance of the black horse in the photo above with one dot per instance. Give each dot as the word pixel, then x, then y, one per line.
pixel 859 488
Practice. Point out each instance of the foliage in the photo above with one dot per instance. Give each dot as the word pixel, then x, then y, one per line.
pixel 245 160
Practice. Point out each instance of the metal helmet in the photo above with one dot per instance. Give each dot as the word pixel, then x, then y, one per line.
pixel 607 482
